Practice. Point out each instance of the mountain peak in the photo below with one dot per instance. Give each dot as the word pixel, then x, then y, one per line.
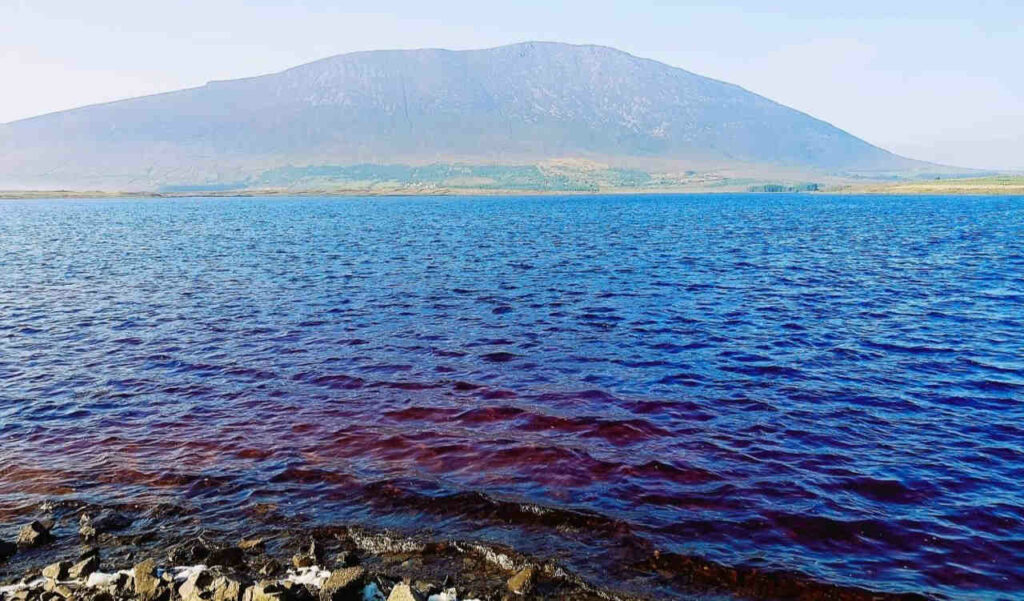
pixel 516 104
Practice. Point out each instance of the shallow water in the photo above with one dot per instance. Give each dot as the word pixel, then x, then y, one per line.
pixel 832 385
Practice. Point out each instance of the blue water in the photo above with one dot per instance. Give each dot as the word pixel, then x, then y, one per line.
pixel 828 385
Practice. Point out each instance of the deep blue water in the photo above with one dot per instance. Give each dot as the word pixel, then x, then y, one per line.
pixel 832 385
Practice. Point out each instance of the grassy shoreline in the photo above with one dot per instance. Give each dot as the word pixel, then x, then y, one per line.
pixel 985 186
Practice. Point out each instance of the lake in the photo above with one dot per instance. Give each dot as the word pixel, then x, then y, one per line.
pixel 827 385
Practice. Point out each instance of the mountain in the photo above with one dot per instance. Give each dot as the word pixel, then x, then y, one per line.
pixel 450 114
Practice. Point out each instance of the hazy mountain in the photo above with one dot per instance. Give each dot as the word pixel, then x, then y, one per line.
pixel 512 105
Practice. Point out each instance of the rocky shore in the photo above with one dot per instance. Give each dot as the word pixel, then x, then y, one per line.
pixel 338 564
pixel 77 551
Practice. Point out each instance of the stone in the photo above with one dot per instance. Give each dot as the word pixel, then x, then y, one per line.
pixel 264 591
pixel 301 560
pixel 343 584
pixel 195 586
pixel 85 567
pixel 57 571
pixel 188 554
pixel 147 586
pixel 251 544
pixel 404 592
pixel 7 550
pixel 33 535
pixel 226 556
pixel 271 568
pixel 522 582
pixel 225 588
pixel 89 526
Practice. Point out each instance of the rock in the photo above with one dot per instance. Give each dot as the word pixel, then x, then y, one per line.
pixel 147 586
pixel 313 556
pixel 251 544
pixel 271 568
pixel 195 586
pixel 343 585
pixel 33 535
pixel 85 567
pixel 225 588
pixel 7 550
pixel 522 582
pixel 404 592
pixel 57 571
pixel 106 521
pixel 226 556
pixel 188 554
pixel 63 590
pixel 264 591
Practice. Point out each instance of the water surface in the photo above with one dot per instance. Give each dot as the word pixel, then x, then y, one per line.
pixel 832 385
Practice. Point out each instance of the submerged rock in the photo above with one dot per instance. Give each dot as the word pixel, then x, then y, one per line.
pixel 89 527
pixel 34 534
pixel 343 585
pixel 7 550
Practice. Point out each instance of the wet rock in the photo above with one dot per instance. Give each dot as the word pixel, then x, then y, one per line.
pixel 57 571
pixel 90 526
pixel 264 591
pixel 33 535
pixel 188 554
pixel 271 568
pixel 404 592
pixel 297 592
pixel 522 582
pixel 313 556
pixel 7 550
pixel 227 556
pixel 251 544
pixel 147 586
pixel 343 585
pixel 84 568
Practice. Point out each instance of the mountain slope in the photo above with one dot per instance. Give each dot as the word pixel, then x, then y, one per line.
pixel 513 104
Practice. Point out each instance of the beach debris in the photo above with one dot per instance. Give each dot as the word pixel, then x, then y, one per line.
pixel 343 585
pixel 521 583
pixel 34 534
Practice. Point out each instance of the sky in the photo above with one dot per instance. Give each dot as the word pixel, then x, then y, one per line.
pixel 940 81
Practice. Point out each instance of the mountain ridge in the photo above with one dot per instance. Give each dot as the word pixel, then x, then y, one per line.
pixel 519 104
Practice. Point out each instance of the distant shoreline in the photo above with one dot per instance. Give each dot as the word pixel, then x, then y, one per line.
pixel 988 186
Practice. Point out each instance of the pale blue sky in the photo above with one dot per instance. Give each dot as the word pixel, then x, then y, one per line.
pixel 940 80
